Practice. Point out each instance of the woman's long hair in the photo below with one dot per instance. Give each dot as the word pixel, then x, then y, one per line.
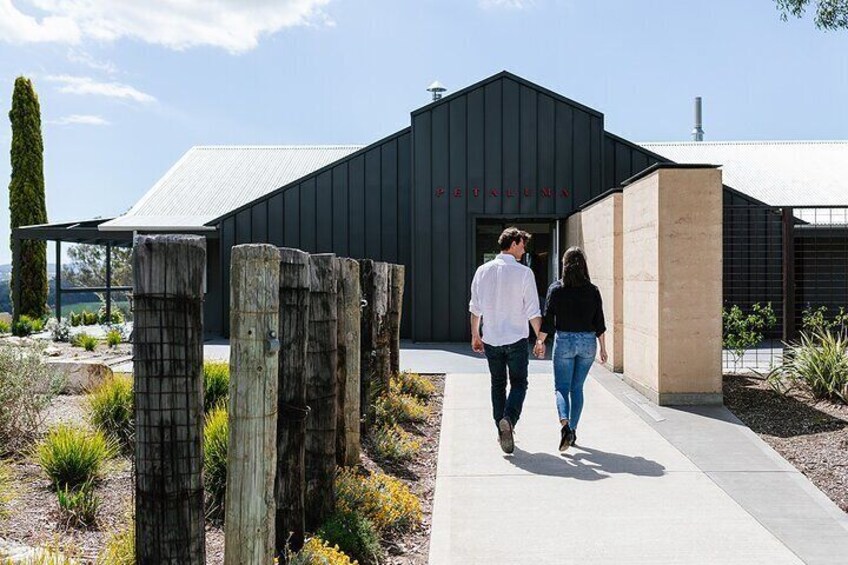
pixel 575 272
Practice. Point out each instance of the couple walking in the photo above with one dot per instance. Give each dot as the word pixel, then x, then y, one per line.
pixel 503 300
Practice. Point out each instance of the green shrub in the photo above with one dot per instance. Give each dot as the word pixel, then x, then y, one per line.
pixel 394 406
pixel 393 443
pixel 110 410
pixel 353 534
pixel 27 386
pixel 416 385
pixel 5 327
pixel 89 318
pixel 85 341
pixel 75 319
pixel 120 546
pixel 381 498
pixel 24 326
pixel 113 338
pixel 79 506
pixel 216 383
pixel 816 321
pixel 72 456
pixel 818 364
pixel 743 331
pixel 59 331
pixel 215 456
pixel 117 317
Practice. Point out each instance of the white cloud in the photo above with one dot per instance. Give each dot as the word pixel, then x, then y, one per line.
pixel 83 58
pixel 233 25
pixel 87 85
pixel 509 4
pixel 17 27
pixel 81 119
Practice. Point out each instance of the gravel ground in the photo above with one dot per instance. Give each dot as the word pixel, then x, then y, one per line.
pixel 811 435
pixel 33 517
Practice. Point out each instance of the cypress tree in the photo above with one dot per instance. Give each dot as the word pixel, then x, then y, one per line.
pixel 26 198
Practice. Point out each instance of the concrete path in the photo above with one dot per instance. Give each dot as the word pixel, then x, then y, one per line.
pixel 646 485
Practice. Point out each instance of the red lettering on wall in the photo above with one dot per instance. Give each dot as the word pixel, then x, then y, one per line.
pixel 526 191
pixel 457 192
pixel 440 192
pixel 476 192
pixel 547 193
pixel 564 193
pixel 509 193
pixel 494 192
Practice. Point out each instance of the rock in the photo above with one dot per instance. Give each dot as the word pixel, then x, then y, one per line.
pixel 52 351
pixel 81 375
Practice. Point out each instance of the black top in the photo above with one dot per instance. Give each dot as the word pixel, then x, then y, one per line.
pixel 573 309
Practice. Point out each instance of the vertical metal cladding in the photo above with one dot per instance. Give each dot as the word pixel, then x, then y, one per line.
pixel 501 148
pixel 355 207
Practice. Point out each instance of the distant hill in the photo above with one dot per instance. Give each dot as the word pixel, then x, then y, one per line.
pixel 6 271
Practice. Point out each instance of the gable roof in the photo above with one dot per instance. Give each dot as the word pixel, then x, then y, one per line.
pixel 779 173
pixel 209 181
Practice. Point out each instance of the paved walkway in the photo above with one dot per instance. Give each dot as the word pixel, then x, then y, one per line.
pixel 646 485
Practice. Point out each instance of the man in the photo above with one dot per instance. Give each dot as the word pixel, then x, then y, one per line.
pixel 504 296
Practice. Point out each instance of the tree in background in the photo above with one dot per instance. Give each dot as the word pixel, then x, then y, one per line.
pixel 830 14
pixel 26 198
pixel 88 267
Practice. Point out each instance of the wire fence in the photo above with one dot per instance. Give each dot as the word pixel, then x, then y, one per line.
pixel 785 270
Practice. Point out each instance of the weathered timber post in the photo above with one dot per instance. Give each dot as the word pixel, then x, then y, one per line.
pixel 347 405
pixel 380 327
pixel 321 389
pixel 168 273
pixel 366 340
pixel 291 403
pixel 395 310
pixel 252 455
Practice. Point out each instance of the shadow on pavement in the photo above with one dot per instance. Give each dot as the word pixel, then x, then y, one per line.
pixel 584 463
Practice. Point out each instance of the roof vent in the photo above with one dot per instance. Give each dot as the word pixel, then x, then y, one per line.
pixel 698 132
pixel 436 88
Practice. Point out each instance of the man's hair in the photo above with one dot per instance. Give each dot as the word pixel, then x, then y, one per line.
pixel 512 235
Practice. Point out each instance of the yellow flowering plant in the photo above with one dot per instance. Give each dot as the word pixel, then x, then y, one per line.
pixel 381 498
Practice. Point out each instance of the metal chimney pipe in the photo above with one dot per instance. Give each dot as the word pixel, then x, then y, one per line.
pixel 698 132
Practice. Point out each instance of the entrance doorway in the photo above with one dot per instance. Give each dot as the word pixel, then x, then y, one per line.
pixel 542 250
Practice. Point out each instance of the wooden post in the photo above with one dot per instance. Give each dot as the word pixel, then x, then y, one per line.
pixel 395 310
pixel 788 238
pixel 380 327
pixel 292 407
pixel 347 406
pixel 366 340
pixel 250 505
pixel 321 389
pixel 168 380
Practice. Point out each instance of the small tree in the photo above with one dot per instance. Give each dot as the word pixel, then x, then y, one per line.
pixel 88 267
pixel 26 199
pixel 743 331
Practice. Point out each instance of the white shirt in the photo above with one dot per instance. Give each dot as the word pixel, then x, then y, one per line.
pixel 503 294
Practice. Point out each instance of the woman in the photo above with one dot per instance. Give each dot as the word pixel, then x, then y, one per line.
pixel 573 309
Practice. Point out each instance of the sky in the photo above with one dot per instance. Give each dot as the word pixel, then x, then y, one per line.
pixel 127 87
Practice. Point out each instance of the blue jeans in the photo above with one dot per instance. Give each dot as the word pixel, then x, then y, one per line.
pixel 515 358
pixel 573 355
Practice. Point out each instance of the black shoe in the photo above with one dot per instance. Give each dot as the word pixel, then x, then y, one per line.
pixel 565 437
pixel 573 437
pixel 505 435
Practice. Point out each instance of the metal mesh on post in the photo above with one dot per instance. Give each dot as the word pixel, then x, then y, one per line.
pixel 168 381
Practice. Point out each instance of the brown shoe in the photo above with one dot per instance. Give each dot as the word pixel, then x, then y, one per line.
pixel 505 435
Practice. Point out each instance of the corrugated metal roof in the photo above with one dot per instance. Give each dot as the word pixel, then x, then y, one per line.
pixel 209 181
pixel 780 173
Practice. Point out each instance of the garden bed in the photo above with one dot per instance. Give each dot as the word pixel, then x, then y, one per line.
pixel 32 517
pixel 810 434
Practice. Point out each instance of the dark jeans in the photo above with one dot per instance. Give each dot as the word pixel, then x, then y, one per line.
pixel 514 357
